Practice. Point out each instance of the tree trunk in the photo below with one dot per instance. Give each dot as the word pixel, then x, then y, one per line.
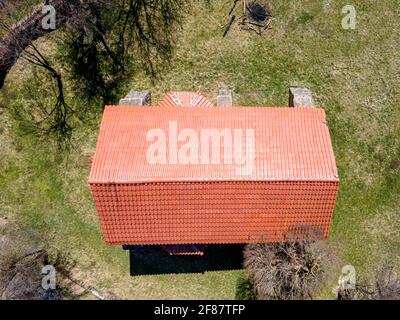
pixel 30 28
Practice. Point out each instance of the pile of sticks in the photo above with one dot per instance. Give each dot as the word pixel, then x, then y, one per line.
pixel 251 19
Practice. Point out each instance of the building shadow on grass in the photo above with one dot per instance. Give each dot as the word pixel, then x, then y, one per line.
pixel 150 260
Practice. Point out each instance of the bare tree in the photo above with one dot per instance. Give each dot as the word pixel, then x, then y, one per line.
pixel 386 286
pixel 60 111
pixel 286 270
pixel 21 34
pixel 102 41
pixel 147 21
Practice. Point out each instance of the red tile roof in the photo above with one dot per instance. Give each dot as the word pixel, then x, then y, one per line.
pixel 291 187
pixel 206 213
pixel 290 144
pixel 185 99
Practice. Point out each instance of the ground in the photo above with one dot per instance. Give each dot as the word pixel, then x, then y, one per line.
pixel 354 75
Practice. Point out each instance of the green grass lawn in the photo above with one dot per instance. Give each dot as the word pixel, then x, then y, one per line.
pixel 354 75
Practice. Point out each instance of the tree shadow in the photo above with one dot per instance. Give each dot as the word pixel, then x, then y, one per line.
pixel 151 260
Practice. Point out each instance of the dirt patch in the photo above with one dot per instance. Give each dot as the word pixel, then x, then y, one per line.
pixel 395 164
pixel 21 271
pixel 3 221
pixel 85 161
pixel 21 278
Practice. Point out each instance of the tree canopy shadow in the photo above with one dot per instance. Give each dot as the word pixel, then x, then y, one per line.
pixel 151 260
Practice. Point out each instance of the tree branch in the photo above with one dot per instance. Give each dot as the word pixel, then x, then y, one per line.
pixel 19 36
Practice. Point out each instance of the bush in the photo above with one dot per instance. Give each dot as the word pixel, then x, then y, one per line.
pixel 385 287
pixel 291 270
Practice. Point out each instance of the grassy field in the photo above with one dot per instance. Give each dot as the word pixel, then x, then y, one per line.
pixel 354 75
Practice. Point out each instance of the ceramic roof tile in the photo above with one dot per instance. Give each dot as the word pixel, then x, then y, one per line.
pixel 289 189
pixel 288 144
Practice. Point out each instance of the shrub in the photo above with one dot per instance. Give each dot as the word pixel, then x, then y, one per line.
pixel 290 270
pixel 385 287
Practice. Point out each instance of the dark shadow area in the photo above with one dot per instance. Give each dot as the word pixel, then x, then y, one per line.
pixel 245 289
pixel 150 260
